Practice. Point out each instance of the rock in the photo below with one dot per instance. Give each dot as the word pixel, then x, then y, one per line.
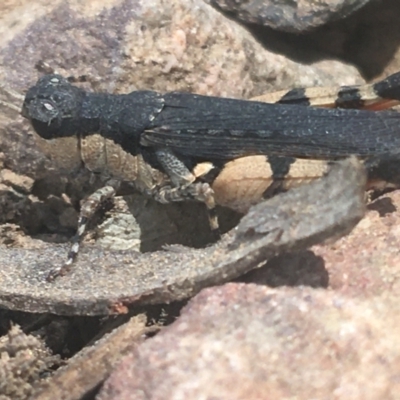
pixel 21 183
pixel 243 341
pixel 363 264
pixel 367 262
pixel 295 16
pixel 23 359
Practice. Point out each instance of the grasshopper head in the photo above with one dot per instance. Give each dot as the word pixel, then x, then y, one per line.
pixel 53 107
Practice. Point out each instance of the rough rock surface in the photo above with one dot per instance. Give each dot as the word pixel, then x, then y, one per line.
pixel 290 16
pixel 23 359
pixel 112 282
pixel 363 264
pixel 243 341
pixel 367 263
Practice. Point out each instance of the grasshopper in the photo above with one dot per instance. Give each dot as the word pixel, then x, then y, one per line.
pixel 181 146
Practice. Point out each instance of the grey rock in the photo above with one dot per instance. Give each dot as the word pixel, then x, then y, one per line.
pixel 244 341
pixel 290 16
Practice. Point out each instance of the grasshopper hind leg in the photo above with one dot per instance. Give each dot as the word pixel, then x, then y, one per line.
pixel 89 208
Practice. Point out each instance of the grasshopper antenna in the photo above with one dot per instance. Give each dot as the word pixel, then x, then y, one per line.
pixel 46 69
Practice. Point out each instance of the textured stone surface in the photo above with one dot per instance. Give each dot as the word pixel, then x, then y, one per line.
pixel 109 282
pixel 243 341
pixel 363 264
pixel 367 263
pixel 290 16
pixel 23 359
pixel 94 363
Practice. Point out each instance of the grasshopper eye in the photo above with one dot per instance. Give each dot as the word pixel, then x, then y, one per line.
pixel 47 109
pixel 48 106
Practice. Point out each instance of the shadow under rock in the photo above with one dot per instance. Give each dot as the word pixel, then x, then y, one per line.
pixel 302 268
pixel 368 38
pixel 383 206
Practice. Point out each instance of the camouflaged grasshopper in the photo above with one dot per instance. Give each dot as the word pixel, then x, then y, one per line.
pixel 180 146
